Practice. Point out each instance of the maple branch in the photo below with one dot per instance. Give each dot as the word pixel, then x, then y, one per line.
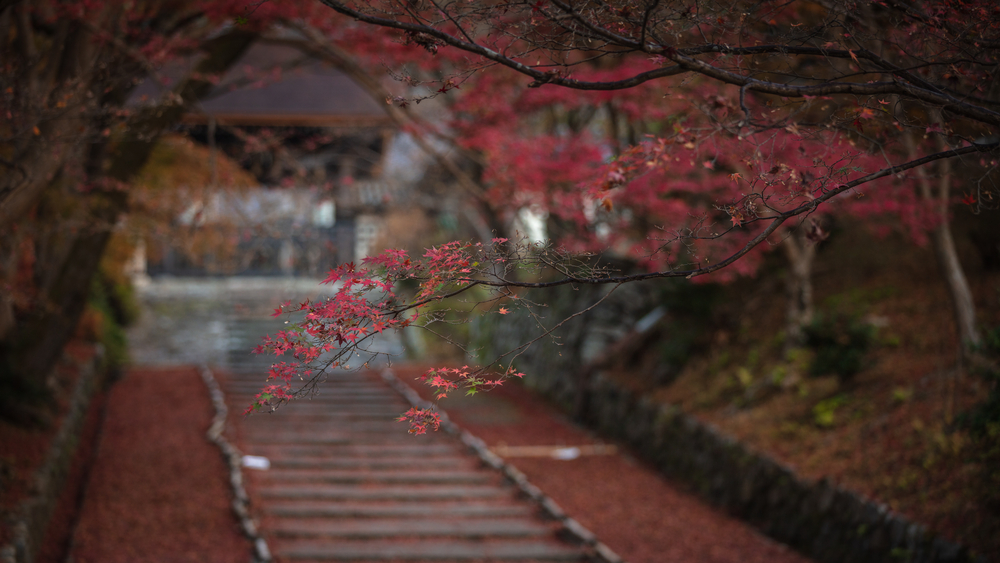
pixel 645 19
pixel 870 89
pixel 686 63
pixel 613 38
pixel 475 48
pixel 774 223
pixel 420 303
pixel 523 347
pixel 451 18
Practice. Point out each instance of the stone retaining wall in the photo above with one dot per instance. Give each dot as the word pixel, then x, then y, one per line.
pixel 32 520
pixel 821 520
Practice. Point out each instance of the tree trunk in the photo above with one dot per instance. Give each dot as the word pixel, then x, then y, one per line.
pixel 801 253
pixel 40 338
pixel 31 347
pixel 963 305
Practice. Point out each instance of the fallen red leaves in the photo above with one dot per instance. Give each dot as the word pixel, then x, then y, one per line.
pixel 158 490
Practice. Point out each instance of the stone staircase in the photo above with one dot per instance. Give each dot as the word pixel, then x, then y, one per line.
pixel 347 483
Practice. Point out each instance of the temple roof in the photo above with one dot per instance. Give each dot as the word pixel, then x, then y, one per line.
pixel 275 85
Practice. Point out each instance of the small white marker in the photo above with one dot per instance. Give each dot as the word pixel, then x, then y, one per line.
pixel 565 453
pixel 256 462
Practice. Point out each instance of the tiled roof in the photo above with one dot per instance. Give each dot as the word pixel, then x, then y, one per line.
pixel 275 84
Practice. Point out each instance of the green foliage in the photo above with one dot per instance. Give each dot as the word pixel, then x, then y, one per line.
pixel 900 553
pixel 987 445
pixel 860 298
pixel 983 422
pixel 122 301
pixel 824 413
pixel 691 298
pixel 979 420
pixel 840 342
pixel 690 306
pixel 676 350
pixel 111 333
pixel 744 376
pixel 901 395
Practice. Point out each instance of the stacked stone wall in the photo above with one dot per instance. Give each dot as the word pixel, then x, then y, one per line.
pixel 30 522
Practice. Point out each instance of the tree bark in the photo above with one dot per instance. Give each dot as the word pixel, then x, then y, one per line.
pixel 801 253
pixel 963 303
pixel 31 347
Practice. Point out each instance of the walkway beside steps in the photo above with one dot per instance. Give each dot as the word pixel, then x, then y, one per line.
pixel 348 483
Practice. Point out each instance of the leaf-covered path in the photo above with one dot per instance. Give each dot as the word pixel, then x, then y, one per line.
pixel 157 489
pixel 347 483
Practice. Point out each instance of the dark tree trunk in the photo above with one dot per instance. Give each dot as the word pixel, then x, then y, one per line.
pixel 31 342
pixel 801 253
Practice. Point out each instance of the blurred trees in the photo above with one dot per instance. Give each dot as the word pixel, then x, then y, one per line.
pixel 687 135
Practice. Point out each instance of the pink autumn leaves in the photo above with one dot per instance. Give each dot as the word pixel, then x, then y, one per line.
pixel 445 380
pixel 326 334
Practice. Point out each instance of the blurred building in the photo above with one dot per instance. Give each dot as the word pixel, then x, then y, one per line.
pixel 315 140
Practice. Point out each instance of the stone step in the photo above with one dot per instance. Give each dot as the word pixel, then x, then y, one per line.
pixel 353 433
pixel 343 405
pixel 333 416
pixel 323 387
pixel 401 493
pixel 373 463
pixel 366 401
pixel 249 392
pixel 258 375
pixel 319 412
pixel 357 438
pixel 312 550
pixel 316 509
pixel 348 483
pixel 335 476
pixel 306 411
pixel 346 404
pixel 334 419
pixel 357 450
pixel 424 528
pixel 339 428
pixel 290 438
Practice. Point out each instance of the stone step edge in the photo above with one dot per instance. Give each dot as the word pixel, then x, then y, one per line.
pixel 234 460
pixel 572 530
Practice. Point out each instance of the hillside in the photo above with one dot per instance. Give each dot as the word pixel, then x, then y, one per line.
pixel 894 430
